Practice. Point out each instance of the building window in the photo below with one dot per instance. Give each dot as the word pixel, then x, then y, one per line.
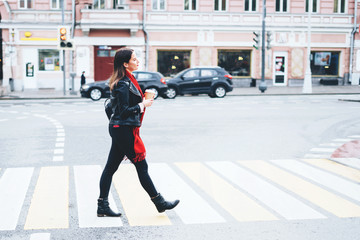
pixel 314 6
pixel 236 62
pixel 325 63
pixel 190 5
pixel 99 4
pixel 281 5
pixel 158 4
pixel 25 4
pixel 55 4
pixel 220 5
pixel 172 62
pixel 250 5
pixel 119 4
pixel 49 60
pixel 339 6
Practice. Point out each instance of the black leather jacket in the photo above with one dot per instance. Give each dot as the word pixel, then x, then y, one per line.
pixel 125 99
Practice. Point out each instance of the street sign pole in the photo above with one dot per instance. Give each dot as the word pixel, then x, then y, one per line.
pixel 307 87
pixel 63 51
pixel 262 86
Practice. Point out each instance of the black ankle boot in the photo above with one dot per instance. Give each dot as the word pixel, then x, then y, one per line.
pixel 104 209
pixel 162 205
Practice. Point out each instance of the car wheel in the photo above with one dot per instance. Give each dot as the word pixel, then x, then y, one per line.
pixel 220 92
pixel 155 90
pixel 95 94
pixel 171 93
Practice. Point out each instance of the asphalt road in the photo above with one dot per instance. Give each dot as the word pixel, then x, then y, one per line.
pixel 249 167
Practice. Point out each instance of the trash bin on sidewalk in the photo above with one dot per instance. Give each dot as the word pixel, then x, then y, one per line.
pixel 253 82
pixel 11 84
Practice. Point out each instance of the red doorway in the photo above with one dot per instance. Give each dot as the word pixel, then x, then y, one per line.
pixel 104 60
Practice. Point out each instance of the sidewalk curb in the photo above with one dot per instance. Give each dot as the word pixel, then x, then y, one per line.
pixel 349 100
pixel 37 98
pixel 242 92
pixel 229 95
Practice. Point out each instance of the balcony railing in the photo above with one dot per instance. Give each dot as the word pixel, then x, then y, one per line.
pixel 247 19
pixel 110 19
pixel 110 16
pixel 30 16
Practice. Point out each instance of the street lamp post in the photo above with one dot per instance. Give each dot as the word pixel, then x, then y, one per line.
pixel 262 86
pixel 307 87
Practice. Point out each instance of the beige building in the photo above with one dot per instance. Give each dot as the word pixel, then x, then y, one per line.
pixel 171 35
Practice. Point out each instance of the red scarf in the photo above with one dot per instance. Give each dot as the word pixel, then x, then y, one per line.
pixel 139 148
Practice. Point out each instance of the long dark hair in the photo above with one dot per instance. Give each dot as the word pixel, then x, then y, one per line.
pixel 123 55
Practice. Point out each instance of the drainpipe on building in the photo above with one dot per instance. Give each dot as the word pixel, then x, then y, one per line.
pixel 352 46
pixel 146 36
pixel 1 57
pixel 72 73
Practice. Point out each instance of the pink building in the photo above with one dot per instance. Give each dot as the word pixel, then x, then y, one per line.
pixel 171 35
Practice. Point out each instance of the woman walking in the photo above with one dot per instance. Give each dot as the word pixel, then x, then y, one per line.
pixel 128 105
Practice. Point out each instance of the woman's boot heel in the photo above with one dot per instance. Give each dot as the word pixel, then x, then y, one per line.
pixel 104 210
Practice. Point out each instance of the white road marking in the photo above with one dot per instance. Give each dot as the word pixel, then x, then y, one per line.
pixel 13 187
pixel 40 236
pixel 329 150
pixel 59 144
pixel 192 208
pixel 352 162
pixel 329 180
pixel 265 192
pixel 316 156
pixel 342 140
pixel 87 192
pixel 331 144
pixel 58 151
pixel 58 158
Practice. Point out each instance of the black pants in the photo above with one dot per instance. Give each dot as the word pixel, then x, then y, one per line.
pixel 123 144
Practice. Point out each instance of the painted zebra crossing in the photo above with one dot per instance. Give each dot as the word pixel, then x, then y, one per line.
pixel 210 192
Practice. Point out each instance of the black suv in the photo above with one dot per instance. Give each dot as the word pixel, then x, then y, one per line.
pixel 146 80
pixel 214 81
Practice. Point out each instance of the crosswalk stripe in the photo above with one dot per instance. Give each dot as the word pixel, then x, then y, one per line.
pixel 40 236
pixel 331 144
pixel 139 209
pixel 324 150
pixel 265 192
pixel 352 162
pixel 50 202
pixel 316 156
pixel 13 187
pixel 192 208
pixel 240 206
pixel 342 170
pixel 324 199
pixel 87 191
pixel 329 180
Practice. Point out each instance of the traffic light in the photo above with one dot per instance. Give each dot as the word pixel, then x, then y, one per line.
pixel 64 38
pixel 256 40
pixel 268 40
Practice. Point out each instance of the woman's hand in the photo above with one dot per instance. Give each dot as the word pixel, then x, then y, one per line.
pixel 148 102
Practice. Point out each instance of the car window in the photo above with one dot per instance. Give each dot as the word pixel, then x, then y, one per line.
pixel 208 72
pixel 144 76
pixel 192 73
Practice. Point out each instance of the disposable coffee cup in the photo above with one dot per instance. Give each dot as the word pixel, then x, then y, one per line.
pixel 149 94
